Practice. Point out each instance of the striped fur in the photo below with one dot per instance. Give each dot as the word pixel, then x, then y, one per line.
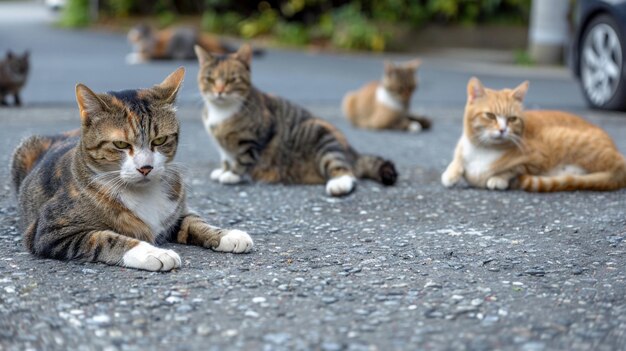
pixel 76 203
pixel 269 139
pixel 13 73
pixel 385 104
pixel 504 147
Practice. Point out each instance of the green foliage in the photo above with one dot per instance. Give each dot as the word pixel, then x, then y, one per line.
pixel 291 33
pixel 259 24
pixel 167 18
pixel 522 57
pixel 354 31
pixel 75 14
pixel 121 8
pixel 223 23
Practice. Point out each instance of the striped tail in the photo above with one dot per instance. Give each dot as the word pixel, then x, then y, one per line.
pixel 600 181
pixel 376 168
pixel 26 156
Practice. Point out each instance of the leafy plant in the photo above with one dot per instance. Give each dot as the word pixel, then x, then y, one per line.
pixel 75 14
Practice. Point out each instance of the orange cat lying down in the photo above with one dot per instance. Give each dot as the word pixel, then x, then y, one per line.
pixel 503 147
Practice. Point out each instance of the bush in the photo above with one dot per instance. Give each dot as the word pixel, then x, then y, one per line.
pixel 76 14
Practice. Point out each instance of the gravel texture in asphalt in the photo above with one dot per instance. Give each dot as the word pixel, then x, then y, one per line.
pixel 414 266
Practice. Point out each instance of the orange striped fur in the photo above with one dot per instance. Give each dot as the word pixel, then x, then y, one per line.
pixel 503 147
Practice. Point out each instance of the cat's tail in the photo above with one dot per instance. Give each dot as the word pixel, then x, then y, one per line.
pixel 376 168
pixel 598 181
pixel 26 156
pixel 348 106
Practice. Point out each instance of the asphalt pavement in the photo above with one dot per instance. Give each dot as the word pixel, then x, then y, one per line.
pixel 410 267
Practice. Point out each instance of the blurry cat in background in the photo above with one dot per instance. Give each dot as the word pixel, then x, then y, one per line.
pixel 171 44
pixel 13 74
pixel 385 104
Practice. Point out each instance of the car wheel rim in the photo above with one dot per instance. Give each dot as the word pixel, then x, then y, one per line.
pixel 601 63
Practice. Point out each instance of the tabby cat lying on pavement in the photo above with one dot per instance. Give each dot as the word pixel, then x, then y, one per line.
pixel 272 140
pixel 109 191
pixel 503 147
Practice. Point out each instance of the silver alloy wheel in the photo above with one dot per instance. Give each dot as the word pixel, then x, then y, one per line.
pixel 601 63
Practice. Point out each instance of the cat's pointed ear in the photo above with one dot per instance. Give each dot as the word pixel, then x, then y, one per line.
pixel 26 54
pixel 520 92
pixel 413 64
pixel 203 55
pixel 9 54
pixel 245 54
pixel 475 90
pixel 389 66
pixel 89 103
pixel 168 89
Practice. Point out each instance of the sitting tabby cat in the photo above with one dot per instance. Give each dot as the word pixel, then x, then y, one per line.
pixel 170 44
pixel 272 140
pixel 503 146
pixel 386 104
pixel 109 191
pixel 13 74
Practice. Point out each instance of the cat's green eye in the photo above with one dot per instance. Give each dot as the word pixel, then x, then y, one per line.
pixel 490 115
pixel 512 118
pixel 121 144
pixel 159 141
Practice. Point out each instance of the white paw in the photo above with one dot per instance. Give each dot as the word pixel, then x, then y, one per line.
pixel 342 185
pixel 448 179
pixel 134 58
pixel 415 127
pixel 215 175
pixel 150 258
pixel 235 241
pixel 497 183
pixel 229 177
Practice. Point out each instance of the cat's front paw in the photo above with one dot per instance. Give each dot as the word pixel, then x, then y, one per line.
pixel 342 185
pixel 230 178
pixel 235 241
pixel 151 258
pixel 450 179
pixel 497 183
pixel 215 175
pixel 415 127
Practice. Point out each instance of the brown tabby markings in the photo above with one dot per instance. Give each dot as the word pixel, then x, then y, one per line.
pixel 83 196
pixel 272 140
pixel 385 104
pixel 13 74
pixel 503 146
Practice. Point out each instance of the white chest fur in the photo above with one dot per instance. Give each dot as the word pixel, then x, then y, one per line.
pixel 477 160
pixel 218 113
pixel 151 205
pixel 383 96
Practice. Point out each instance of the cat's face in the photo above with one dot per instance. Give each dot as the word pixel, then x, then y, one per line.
pixel 399 79
pixel 18 64
pixel 494 117
pixel 224 80
pixel 133 134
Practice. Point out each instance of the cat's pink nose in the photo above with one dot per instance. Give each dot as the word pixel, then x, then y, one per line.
pixel 145 170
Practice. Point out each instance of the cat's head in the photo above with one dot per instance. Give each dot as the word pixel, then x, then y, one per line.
pixel 18 65
pixel 494 117
pixel 399 79
pixel 132 134
pixel 139 33
pixel 224 79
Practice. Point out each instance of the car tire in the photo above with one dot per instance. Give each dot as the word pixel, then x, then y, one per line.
pixel 602 69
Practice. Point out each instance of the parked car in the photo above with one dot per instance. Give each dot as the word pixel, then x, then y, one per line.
pixel 599 52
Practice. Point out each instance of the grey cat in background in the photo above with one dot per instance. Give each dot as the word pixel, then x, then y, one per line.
pixel 13 73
